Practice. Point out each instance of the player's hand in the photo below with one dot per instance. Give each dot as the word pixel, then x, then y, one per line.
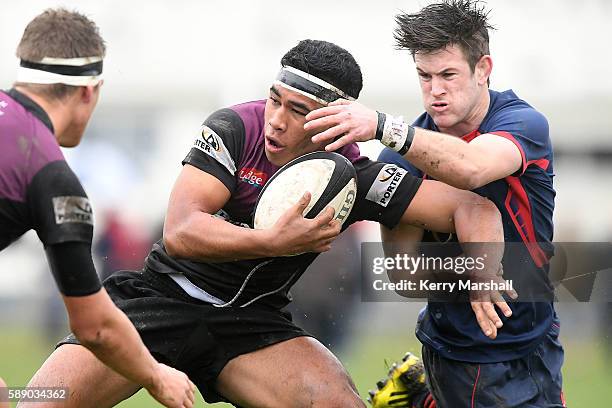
pixel 348 121
pixel 483 304
pixel 172 388
pixel 294 234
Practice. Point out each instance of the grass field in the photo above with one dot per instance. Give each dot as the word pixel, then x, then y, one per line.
pixel 587 374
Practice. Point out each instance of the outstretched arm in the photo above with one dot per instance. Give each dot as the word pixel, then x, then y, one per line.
pixel 444 157
pixel 105 331
pixel 442 208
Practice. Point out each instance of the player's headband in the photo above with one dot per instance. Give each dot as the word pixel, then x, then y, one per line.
pixel 69 71
pixel 309 85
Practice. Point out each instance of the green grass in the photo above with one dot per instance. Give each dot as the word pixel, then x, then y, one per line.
pixel 587 372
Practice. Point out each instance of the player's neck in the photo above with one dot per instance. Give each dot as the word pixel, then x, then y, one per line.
pixel 58 111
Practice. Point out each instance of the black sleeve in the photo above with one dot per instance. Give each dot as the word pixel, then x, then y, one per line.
pixel 218 148
pixel 58 206
pixel 384 191
pixel 73 268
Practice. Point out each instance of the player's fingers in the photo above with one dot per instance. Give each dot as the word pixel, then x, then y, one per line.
pixel 191 391
pixel 323 248
pixel 322 123
pixel 330 233
pixel 499 301
pixel 512 293
pixel 483 321
pixel 301 205
pixel 190 398
pixel 342 141
pixel 338 102
pixel 321 112
pixel 338 129
pixel 324 217
pixel 491 313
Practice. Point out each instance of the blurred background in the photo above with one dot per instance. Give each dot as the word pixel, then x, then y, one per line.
pixel 170 64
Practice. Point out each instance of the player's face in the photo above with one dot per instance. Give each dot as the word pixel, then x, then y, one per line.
pixel 82 103
pixel 285 137
pixel 453 95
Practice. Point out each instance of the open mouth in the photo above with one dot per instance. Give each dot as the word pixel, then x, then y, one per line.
pixel 273 145
pixel 439 106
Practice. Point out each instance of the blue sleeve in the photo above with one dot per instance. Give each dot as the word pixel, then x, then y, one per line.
pixel 393 157
pixel 528 130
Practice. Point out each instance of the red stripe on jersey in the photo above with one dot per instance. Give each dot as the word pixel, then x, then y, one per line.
pixel 517 196
pixel 541 163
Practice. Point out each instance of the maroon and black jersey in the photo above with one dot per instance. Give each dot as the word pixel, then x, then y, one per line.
pixel 39 191
pixel 231 148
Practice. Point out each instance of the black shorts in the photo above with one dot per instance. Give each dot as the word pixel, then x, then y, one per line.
pixel 190 335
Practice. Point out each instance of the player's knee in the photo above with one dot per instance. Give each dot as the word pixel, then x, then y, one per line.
pixel 335 392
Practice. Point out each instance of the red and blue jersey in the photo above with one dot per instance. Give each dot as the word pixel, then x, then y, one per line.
pixel 526 202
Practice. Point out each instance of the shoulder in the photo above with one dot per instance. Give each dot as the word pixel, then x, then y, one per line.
pixel 510 113
pixel 251 113
pixel 238 120
pixel 26 142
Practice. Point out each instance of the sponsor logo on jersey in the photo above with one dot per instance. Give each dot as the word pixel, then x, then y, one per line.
pixel 385 185
pixel 3 105
pixel 211 144
pixel 252 176
pixel 211 139
pixel 72 209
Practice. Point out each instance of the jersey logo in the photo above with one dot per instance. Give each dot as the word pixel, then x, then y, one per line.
pixel 72 209
pixel 211 144
pixel 3 105
pixel 211 140
pixel 385 185
pixel 252 176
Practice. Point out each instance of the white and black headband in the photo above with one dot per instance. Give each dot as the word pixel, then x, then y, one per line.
pixel 81 71
pixel 309 85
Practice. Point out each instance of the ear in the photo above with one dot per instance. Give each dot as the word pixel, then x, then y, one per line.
pixel 86 93
pixel 483 69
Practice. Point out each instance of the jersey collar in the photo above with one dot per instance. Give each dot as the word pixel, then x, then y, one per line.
pixel 32 107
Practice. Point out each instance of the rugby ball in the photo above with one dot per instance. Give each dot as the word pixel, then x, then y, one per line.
pixel 329 177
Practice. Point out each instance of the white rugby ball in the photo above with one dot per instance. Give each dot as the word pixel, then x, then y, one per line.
pixel 329 177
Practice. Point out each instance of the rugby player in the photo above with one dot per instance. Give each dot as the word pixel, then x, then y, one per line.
pixel 57 88
pixel 210 298
pixel 498 146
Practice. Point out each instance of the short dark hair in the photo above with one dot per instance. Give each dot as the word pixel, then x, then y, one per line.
pixel 59 33
pixel 326 61
pixel 451 22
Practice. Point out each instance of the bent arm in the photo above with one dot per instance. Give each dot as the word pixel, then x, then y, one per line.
pixel 442 208
pixel 464 165
pixel 102 328
pixel 192 232
pixel 107 332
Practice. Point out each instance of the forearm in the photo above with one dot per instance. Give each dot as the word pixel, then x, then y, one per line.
pixel 204 237
pixel 445 158
pixel 479 228
pixel 117 344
